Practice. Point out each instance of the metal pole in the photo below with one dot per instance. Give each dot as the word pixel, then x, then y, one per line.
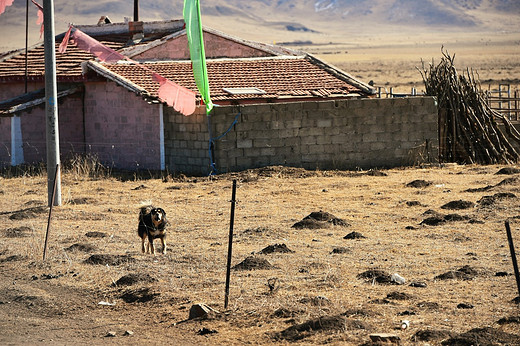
pixel 26 42
pixel 51 104
pixel 136 10
pixel 513 256
pixel 230 242
pixel 50 214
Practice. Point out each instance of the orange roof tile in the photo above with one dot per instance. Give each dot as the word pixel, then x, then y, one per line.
pixel 279 77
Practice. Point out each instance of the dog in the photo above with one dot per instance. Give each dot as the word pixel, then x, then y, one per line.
pixel 152 225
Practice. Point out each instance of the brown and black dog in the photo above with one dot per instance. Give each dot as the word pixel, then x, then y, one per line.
pixel 152 225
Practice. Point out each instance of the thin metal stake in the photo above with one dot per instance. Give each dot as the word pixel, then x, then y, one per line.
pixel 230 242
pixel 513 256
pixel 50 212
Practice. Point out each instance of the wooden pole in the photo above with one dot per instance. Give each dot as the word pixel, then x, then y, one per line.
pixel 230 242
pixel 50 212
pixel 513 257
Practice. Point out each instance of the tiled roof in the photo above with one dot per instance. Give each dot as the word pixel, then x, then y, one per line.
pixel 68 65
pixel 280 77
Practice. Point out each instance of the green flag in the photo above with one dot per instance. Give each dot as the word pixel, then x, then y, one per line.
pixel 191 15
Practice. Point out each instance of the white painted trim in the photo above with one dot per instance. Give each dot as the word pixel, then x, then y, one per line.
pixel 161 137
pixel 16 141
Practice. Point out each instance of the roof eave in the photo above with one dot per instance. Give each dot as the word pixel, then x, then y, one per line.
pixel 106 73
pixel 340 74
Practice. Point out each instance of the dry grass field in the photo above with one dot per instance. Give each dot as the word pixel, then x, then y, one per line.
pixel 441 228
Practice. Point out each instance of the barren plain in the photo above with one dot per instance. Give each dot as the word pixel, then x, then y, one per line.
pixel 313 255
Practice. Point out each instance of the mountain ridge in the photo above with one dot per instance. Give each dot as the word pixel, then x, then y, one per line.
pixel 282 17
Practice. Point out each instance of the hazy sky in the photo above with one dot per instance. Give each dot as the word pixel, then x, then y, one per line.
pixel 12 21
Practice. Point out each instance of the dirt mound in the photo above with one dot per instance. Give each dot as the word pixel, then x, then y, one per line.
pixel 377 275
pixel 399 296
pixel 251 263
pixel 132 279
pixel 418 183
pixel 319 219
pixel 433 221
pixel 338 250
pixel 464 273
pixel 315 301
pixel 376 173
pixel 83 247
pixel 328 324
pixel 83 200
pixel 508 171
pixel 458 205
pixel 439 219
pixel 480 189
pixel 29 213
pixel 257 231
pixel 281 248
pixel 113 260
pixel 508 181
pixel 483 336
pixel 141 295
pixel 95 234
pixel 431 335
pixel 17 232
pixel 456 217
pixel 510 319
pixel 354 235
pixel 13 258
pixel 491 200
pixel 286 313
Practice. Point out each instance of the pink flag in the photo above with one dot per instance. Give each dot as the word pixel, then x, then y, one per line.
pixel 4 4
pixel 176 96
pixel 63 44
pixel 40 16
pixel 93 46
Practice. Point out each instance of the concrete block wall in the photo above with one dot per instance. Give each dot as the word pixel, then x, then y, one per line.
pixel 341 134
pixel 186 142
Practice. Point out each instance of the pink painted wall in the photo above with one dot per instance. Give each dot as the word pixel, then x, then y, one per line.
pixel 7 91
pixel 70 118
pixel 214 46
pixel 121 127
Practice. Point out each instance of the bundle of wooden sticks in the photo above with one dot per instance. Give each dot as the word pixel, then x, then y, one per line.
pixel 469 130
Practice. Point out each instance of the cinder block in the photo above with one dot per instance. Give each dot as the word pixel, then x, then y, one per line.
pixel 244 143
pixel 326 105
pixel 308 140
pixel 324 123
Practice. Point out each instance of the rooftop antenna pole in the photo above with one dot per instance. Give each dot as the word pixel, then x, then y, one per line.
pixel 136 10
pixel 51 105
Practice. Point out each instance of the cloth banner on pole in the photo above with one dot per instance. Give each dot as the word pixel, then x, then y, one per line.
pixel 191 14
pixel 87 43
pixel 40 16
pixel 65 42
pixel 180 98
pixel 4 4
pixel 176 96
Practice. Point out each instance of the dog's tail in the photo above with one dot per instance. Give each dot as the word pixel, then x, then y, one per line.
pixel 145 208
